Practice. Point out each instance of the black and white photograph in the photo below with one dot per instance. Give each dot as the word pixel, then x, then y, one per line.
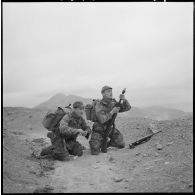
pixel 97 97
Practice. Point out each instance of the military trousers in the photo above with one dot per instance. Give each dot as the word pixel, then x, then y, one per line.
pixel 116 139
pixel 60 149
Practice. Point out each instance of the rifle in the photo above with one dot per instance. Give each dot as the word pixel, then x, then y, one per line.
pixel 142 140
pixel 108 127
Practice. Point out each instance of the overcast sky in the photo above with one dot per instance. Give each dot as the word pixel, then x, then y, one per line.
pixel 76 48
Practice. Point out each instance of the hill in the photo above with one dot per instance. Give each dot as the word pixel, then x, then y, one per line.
pixel 163 164
pixel 153 112
pixel 62 101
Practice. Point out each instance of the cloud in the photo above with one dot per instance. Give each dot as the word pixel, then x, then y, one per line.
pixel 78 48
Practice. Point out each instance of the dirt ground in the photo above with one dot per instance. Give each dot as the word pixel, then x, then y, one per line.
pixel 163 164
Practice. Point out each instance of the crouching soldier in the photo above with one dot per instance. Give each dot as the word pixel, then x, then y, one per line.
pixel 64 138
pixel 104 110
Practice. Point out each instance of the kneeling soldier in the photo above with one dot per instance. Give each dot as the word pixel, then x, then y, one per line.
pixel 104 111
pixel 64 138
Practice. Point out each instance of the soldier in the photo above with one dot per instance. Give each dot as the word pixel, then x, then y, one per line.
pixel 64 138
pixel 104 111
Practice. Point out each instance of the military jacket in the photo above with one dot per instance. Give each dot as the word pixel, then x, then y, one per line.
pixel 103 108
pixel 70 123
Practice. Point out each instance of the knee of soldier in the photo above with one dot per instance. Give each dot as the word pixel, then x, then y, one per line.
pixel 121 145
pixel 61 157
pixel 80 152
pixel 95 147
pixel 78 149
pixel 46 151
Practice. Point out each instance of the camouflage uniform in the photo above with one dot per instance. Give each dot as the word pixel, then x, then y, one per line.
pixel 64 137
pixel 102 110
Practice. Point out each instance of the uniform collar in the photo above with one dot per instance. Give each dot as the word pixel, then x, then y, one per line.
pixel 73 114
pixel 106 101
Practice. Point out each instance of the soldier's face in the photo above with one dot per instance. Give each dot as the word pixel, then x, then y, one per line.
pixel 79 111
pixel 107 93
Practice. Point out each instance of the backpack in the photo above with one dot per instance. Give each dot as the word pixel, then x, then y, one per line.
pixel 52 119
pixel 90 111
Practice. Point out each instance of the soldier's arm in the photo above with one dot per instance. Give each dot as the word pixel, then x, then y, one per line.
pixel 84 126
pixel 65 129
pixel 101 115
pixel 125 106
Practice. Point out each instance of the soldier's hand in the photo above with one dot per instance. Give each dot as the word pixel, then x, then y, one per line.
pixel 83 133
pixel 115 110
pixel 122 97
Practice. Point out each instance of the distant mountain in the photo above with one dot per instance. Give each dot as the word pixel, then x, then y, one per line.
pixel 185 106
pixel 156 113
pixel 152 112
pixel 61 100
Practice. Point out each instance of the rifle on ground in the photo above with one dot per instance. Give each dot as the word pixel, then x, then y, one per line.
pixel 142 140
pixel 109 127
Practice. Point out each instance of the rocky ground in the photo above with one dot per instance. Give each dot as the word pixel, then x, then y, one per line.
pixel 163 164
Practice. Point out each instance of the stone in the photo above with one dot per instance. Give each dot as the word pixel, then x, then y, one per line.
pixel 116 179
pixel 190 185
pixel 144 155
pixel 75 157
pixel 111 159
pixel 159 146
pixel 156 154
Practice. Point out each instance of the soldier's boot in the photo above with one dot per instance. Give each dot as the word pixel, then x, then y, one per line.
pixel 47 151
pixel 95 143
pixel 116 139
pixel 77 149
pixel 61 156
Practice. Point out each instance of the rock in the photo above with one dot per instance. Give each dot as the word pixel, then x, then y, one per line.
pixel 98 161
pixel 95 167
pixel 159 146
pixel 144 155
pixel 166 163
pixel 156 154
pixel 111 159
pixel 116 179
pixel 190 185
pixel 45 189
pixel 138 153
pixel 29 127
pixel 75 157
pixel 169 143
pixel 32 172
pixel 126 180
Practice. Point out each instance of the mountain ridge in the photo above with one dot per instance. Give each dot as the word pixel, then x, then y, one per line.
pixel 153 112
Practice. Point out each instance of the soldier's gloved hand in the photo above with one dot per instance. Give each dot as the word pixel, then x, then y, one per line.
pixel 83 133
pixel 115 110
pixel 122 97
